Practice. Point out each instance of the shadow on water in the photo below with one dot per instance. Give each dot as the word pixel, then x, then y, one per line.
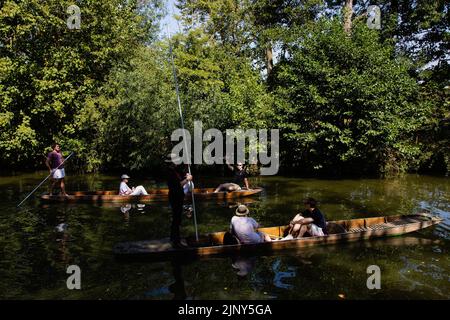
pixel 176 288
pixel 40 241
pixel 279 278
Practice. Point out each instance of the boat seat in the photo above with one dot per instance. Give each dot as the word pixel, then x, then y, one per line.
pixel 404 221
pixel 379 226
pixel 334 228
pixel 357 229
pixel 230 239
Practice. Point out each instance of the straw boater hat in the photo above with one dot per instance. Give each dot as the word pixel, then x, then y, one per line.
pixel 124 176
pixel 241 210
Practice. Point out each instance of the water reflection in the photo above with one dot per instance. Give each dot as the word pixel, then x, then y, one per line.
pixel 235 203
pixel 63 237
pixel 243 265
pixel 177 288
pixel 280 275
pixel 188 210
pixel 126 208
pixel 35 254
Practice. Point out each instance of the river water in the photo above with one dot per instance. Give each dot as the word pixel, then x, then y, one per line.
pixel 35 255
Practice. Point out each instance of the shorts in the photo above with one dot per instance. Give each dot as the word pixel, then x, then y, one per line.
pixel 187 188
pixel 315 231
pixel 58 173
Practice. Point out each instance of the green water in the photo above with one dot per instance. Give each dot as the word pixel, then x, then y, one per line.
pixel 34 255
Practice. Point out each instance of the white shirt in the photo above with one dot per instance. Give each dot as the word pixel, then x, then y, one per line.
pixel 244 228
pixel 124 189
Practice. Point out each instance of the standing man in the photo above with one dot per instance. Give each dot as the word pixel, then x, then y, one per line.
pixel 177 179
pixel 55 165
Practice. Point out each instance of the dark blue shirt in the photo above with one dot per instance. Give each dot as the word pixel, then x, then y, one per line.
pixel 176 193
pixel 318 218
pixel 239 176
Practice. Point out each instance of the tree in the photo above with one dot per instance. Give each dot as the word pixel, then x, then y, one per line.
pixel 224 20
pixel 419 30
pixel 347 103
pixel 274 21
pixel 47 71
pixel 348 12
pixel 136 113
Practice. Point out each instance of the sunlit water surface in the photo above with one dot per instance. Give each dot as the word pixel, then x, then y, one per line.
pixel 35 255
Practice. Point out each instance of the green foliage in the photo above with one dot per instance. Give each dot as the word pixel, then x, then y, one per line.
pixel 226 21
pixel 361 102
pixel 139 108
pixel 47 71
pixel 347 103
pixel 424 36
pixel 218 87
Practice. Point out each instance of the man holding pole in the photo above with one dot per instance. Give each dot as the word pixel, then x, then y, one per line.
pixel 177 179
pixel 55 165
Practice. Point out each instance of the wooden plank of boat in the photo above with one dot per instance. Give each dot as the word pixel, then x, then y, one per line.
pixel 220 202
pixel 339 232
pixel 153 195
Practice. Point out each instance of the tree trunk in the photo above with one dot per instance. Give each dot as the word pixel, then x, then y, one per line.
pixel 269 59
pixel 348 12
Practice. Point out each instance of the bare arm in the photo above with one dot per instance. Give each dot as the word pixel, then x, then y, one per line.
pixel 188 178
pixel 304 221
pixel 247 186
pixel 47 163
pixel 227 162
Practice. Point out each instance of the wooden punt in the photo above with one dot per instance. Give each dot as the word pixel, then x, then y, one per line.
pixel 228 203
pixel 100 197
pixel 221 243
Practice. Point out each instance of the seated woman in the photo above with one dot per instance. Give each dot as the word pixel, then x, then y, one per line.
pixel 311 220
pixel 244 227
pixel 125 190
pixel 240 179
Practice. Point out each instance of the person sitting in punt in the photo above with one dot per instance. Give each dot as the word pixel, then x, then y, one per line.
pixel 240 179
pixel 125 190
pixel 245 228
pixel 310 221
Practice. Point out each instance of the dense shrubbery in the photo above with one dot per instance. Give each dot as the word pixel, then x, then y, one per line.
pixel 345 102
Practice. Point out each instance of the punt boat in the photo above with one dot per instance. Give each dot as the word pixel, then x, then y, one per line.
pixel 99 197
pixel 223 243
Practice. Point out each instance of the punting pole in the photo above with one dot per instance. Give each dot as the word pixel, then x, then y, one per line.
pixel 184 134
pixel 43 181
